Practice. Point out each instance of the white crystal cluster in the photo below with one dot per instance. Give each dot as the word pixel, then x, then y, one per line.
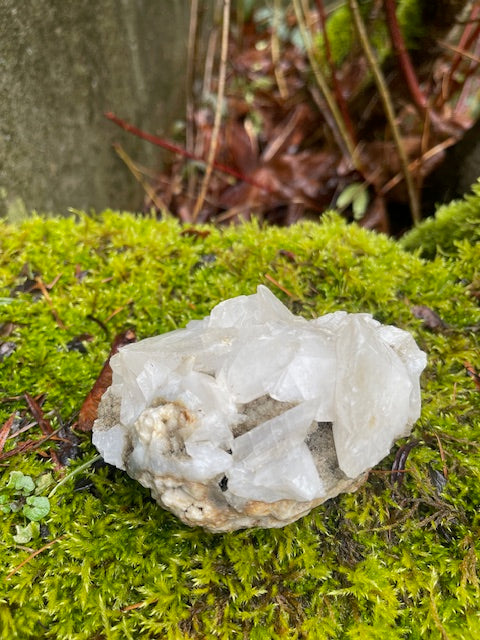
pixel 253 415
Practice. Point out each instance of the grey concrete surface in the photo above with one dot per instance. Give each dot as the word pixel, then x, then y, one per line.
pixel 62 64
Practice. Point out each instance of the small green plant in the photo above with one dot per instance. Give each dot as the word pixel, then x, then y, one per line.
pixel 22 494
pixel 356 194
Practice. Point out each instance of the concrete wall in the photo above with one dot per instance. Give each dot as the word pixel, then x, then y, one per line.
pixel 62 64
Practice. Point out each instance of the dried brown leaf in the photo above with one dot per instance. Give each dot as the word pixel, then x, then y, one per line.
pixel 88 412
pixel 431 320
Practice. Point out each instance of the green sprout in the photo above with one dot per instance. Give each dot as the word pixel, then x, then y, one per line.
pixel 356 194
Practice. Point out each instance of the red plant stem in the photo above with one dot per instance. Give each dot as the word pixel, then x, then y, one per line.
pixel 336 85
pixel 37 412
pixel 160 142
pixel 469 34
pixel 465 91
pixel 404 61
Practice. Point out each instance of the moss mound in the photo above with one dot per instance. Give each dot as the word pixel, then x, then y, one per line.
pixel 106 562
pixel 451 224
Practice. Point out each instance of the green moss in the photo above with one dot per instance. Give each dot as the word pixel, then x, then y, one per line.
pixel 453 223
pixel 383 562
pixel 341 34
pixel 410 19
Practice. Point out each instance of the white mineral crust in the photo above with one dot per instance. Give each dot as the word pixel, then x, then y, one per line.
pixel 253 416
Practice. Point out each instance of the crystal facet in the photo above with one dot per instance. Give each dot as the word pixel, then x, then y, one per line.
pixel 252 416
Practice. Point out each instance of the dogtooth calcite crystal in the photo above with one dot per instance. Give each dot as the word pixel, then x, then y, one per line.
pixel 253 416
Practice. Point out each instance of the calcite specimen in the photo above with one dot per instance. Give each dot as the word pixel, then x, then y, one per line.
pixel 253 416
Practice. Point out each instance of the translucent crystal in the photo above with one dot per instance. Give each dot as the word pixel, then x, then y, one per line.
pixel 253 415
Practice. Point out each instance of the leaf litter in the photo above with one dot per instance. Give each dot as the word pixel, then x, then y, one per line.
pixel 278 153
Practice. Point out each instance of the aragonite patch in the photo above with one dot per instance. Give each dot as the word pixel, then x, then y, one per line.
pixel 253 416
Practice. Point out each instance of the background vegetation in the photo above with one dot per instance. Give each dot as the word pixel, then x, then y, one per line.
pixel 297 107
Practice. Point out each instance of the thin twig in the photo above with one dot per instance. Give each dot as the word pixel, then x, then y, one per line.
pixel 233 212
pixel 470 31
pixel 191 50
pixel 461 441
pixel 222 76
pixel 404 62
pixel 37 412
pixel 24 429
pixel 441 146
pixel 279 77
pixel 118 310
pixel 100 323
pixel 160 142
pixel 190 130
pixel 32 555
pixel 321 80
pixel 209 60
pixel 44 424
pixel 462 52
pixel 277 284
pixel 46 295
pixel 325 112
pixel 388 106
pixel 138 605
pixel 29 445
pixel 408 72
pixel 442 456
pixel 286 130
pixel 342 104
pixel 469 87
pixel 50 286
pixel 154 197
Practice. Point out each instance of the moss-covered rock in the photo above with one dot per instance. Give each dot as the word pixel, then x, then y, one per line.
pixel 107 562
pixel 454 222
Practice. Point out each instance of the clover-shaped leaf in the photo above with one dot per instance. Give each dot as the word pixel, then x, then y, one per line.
pixel 25 534
pixel 37 507
pixel 20 483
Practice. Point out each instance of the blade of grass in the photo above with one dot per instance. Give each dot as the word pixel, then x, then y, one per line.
pixel 346 139
pixel 388 106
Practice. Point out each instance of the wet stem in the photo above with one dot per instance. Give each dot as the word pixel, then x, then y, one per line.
pixel 218 110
